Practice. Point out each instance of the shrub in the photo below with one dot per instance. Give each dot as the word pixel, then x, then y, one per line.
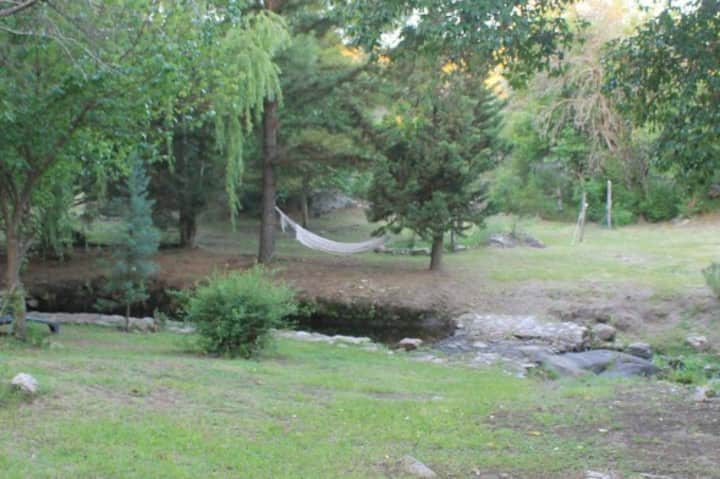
pixel 234 313
pixel 712 278
pixel 661 201
pixel 623 217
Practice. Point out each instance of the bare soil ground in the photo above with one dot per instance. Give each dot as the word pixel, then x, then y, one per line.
pixel 667 435
pixel 635 310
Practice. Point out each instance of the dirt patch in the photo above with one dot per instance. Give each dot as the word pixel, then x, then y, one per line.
pixel 651 428
pixel 634 310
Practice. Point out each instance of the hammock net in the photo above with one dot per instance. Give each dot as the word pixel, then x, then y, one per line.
pixel 318 243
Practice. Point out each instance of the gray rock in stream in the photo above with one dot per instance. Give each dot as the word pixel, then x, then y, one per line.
pixel 598 361
pixel 563 336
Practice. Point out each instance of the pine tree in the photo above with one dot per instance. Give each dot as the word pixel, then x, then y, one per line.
pixel 435 148
pixel 127 281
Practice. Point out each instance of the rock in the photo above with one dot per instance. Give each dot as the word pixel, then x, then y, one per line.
pixel 110 320
pixel 143 325
pixel 698 343
pixel 597 475
pixel 587 314
pixel 622 319
pixel 564 336
pixel 603 332
pixel 179 327
pixel 502 241
pixel 415 468
pixel 530 241
pixel 326 201
pixel 458 248
pixel 351 339
pixel 409 344
pixel 511 240
pixel 322 338
pixel 598 361
pixel 25 382
pixel 704 393
pixel 641 350
pixel 420 252
pixel 561 365
pixel 304 336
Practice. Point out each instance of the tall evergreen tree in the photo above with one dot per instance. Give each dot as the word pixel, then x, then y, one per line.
pixel 434 148
pixel 127 281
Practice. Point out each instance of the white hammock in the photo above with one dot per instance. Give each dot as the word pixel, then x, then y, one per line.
pixel 318 243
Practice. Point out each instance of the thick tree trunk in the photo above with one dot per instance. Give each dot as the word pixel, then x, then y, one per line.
pixel 271 126
pixel 437 254
pixel 188 228
pixel 15 295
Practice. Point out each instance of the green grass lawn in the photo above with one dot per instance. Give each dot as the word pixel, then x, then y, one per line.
pixel 117 405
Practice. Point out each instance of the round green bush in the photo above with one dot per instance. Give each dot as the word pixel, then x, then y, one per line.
pixel 234 313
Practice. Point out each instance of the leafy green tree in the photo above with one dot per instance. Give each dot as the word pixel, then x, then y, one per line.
pixel 127 279
pixel 434 147
pixel 81 83
pixel 523 36
pixel 68 101
pixel 667 74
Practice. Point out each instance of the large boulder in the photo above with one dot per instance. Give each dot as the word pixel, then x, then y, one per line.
pixel 597 361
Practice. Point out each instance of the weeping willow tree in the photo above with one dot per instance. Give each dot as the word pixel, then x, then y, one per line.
pixel 220 69
pixel 249 80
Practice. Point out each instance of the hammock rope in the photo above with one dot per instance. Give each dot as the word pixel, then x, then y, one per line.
pixel 318 243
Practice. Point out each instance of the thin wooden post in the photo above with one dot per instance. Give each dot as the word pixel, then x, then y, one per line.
pixel 579 233
pixel 609 204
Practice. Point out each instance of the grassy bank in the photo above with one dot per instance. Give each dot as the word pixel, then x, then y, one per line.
pixel 136 406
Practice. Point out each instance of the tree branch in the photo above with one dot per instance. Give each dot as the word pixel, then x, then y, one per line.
pixel 6 12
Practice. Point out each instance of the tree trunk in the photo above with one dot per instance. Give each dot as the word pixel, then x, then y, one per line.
pixel 609 204
pixel 187 222
pixel 305 207
pixel 127 317
pixel 437 253
pixel 271 126
pixel 188 228
pixel 15 295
